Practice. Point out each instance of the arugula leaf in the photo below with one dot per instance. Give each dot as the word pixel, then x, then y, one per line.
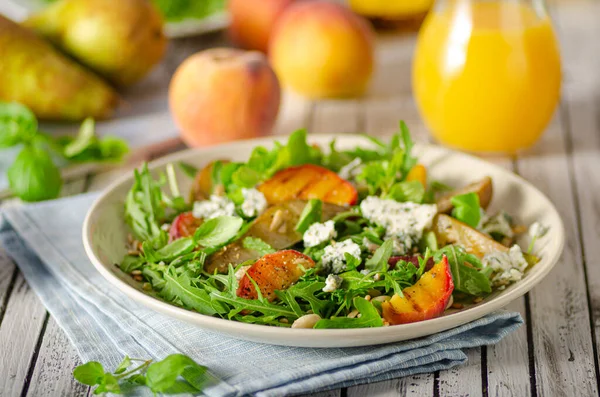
pixel 218 231
pixel 352 262
pixel 467 279
pixel 17 124
pixel 162 376
pixel 409 160
pixel 466 208
pixel 298 151
pixel 33 176
pixel 310 214
pixel 379 260
pixel 258 245
pixel 369 317
pixel 407 191
pixel 144 209
pixel 180 287
pixel 188 169
pixel 306 290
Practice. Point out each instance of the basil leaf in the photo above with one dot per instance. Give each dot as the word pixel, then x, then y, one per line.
pixel 218 231
pixel 109 384
pixel 90 374
pixel 466 208
pixel 33 176
pixel 258 245
pixel 170 251
pixel 379 260
pixel 17 124
pixel 369 317
pixel 310 214
pixel 412 191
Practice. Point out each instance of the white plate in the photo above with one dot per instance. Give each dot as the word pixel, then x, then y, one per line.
pixel 104 236
pixel 20 9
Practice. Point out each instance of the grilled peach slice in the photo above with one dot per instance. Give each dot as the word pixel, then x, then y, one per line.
pixel 184 225
pixel 483 188
pixel 425 300
pixel 418 173
pixel 272 272
pixel 306 182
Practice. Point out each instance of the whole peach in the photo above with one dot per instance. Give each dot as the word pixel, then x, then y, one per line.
pixel 223 94
pixel 322 49
pixel 252 21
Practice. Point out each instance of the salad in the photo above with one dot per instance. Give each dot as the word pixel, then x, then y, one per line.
pixel 307 237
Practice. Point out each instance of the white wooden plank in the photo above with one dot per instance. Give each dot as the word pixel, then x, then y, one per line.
pixel 294 114
pixel 464 380
pixel 57 358
pixel 23 321
pixel 7 270
pixel 564 360
pixel 417 385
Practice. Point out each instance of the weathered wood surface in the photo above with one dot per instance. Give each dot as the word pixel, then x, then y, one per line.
pixel 554 354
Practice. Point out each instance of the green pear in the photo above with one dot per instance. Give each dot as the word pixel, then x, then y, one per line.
pixel 119 39
pixel 54 87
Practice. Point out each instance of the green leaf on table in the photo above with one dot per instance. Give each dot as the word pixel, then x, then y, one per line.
pixel 33 176
pixel 369 317
pixel 380 258
pixel 91 373
pixel 218 231
pixel 258 245
pixel 466 208
pixel 109 384
pixel 164 376
pixel 17 124
pixel 123 365
pixel 84 139
pixel 310 214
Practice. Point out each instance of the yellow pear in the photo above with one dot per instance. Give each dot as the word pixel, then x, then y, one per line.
pixel 119 39
pixel 54 87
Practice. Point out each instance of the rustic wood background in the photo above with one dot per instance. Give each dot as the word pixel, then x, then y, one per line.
pixel 554 354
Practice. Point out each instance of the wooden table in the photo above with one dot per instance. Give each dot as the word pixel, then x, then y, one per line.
pixel 555 353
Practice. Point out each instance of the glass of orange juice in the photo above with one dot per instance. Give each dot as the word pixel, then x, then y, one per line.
pixel 486 74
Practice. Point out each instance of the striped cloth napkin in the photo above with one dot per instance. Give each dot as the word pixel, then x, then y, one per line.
pixel 104 325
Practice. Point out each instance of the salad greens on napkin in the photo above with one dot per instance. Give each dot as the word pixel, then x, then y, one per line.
pixel 303 237
pixel 34 175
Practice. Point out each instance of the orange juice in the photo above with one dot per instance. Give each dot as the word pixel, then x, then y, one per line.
pixel 486 75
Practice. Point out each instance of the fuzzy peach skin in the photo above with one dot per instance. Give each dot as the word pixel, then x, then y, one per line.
pixel 222 94
pixel 321 49
pixel 252 21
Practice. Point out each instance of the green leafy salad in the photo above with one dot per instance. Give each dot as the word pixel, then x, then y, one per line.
pixel 307 237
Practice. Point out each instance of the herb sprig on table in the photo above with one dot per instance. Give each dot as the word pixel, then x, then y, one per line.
pixel 34 175
pixel 175 374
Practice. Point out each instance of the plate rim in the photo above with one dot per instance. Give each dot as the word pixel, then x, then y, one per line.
pixel 331 335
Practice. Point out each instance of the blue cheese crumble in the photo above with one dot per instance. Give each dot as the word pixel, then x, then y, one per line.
pixel 254 202
pixel 499 223
pixel 334 260
pixel 508 266
pixel 214 207
pixel 352 169
pixel 403 221
pixel 318 233
pixel 537 230
pixel 332 283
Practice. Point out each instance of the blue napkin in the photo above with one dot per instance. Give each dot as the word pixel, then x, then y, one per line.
pixel 104 325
